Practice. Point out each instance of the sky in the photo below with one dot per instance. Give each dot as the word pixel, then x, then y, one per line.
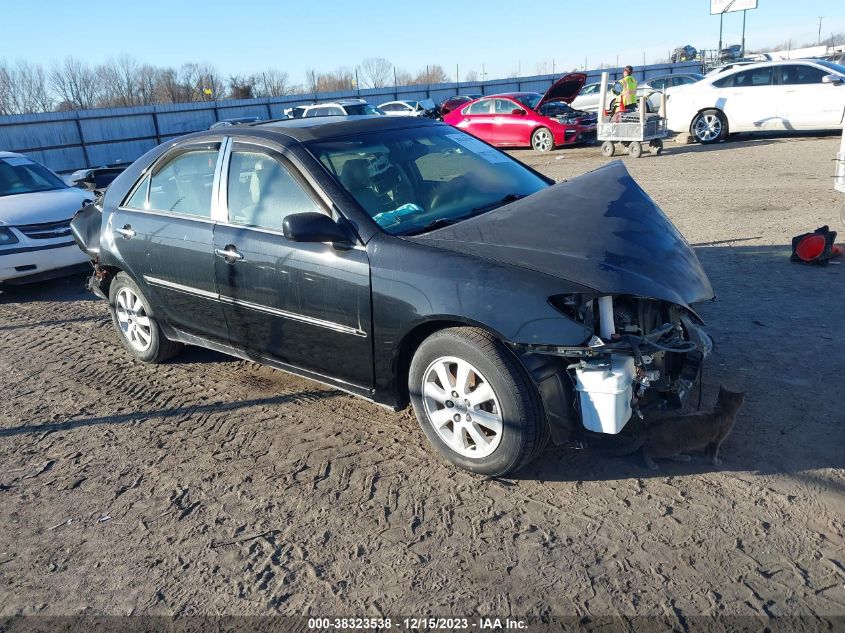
pixel 497 37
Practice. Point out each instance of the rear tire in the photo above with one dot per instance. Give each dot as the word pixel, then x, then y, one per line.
pixel 488 419
pixel 608 149
pixel 542 140
pixel 709 126
pixel 135 324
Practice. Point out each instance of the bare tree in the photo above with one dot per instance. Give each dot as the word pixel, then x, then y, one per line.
pixel 273 83
pixel 403 78
pixel 342 78
pixel 75 83
pixel 432 75
pixel 241 87
pixel 376 72
pixel 472 76
pixel 545 67
pixel 23 88
pixel 148 81
pixel 119 82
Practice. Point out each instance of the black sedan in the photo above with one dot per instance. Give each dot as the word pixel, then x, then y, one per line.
pixel 404 261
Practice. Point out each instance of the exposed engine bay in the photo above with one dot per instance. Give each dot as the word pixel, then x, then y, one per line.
pixel 645 354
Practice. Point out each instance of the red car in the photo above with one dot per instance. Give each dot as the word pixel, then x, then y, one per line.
pixel 521 119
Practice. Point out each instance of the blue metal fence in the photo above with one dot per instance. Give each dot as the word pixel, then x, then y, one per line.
pixel 65 141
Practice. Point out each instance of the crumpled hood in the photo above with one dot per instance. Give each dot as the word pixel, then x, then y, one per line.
pixel 600 230
pixel 41 206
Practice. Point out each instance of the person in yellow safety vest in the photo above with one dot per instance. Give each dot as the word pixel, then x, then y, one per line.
pixel 628 96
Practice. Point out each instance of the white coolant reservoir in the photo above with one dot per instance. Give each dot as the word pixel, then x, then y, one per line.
pixel 605 393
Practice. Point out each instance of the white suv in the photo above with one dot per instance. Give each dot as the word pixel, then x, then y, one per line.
pixel 341 107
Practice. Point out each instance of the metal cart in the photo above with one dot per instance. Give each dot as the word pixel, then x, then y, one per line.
pixel 632 134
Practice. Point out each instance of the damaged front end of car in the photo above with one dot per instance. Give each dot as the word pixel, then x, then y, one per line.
pixel 645 355
pixel 640 345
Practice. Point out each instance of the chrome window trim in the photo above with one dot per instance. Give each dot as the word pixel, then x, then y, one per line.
pixel 330 325
pixel 169 214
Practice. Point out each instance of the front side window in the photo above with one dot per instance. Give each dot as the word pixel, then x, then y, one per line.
pixel 659 84
pixel 184 184
pixel 411 180
pixel 19 174
pixel 791 74
pixel 262 192
pixel 505 106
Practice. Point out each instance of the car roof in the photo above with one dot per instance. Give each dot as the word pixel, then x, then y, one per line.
pixel 327 127
pixel 743 66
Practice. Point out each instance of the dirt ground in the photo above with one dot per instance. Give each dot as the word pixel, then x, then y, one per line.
pixel 214 486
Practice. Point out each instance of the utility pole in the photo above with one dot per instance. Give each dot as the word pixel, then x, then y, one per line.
pixel 457 74
pixel 721 18
pixel 821 17
pixel 742 47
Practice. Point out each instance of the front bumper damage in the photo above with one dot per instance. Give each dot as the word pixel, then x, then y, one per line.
pixel 626 369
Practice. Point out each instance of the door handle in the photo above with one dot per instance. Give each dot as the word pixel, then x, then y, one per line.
pixel 229 253
pixel 125 232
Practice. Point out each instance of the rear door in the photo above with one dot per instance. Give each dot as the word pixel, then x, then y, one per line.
pixel 477 119
pixel 303 304
pixel 164 233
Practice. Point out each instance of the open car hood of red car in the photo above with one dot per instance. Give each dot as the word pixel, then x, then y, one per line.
pixel 565 89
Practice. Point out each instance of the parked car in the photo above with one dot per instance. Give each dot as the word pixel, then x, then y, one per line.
pixel 341 107
pixel 94 179
pixel 666 82
pixel 235 121
pixel 402 260
pixel 449 104
pixel 520 119
pixel 425 107
pixel 589 96
pixel 730 53
pixel 684 54
pixel 767 96
pixel 36 207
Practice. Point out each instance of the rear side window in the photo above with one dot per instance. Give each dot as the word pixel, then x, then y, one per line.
pixel 791 74
pixel 262 192
pixel 184 184
pixel 747 78
pixel 480 107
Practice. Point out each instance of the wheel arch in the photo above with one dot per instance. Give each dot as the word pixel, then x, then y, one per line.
pixel 412 340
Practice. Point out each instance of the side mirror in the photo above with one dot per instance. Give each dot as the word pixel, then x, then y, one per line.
pixel 315 227
pixel 832 79
pixel 517 111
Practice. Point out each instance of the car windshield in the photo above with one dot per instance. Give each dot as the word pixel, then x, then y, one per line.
pixel 363 108
pixel 837 68
pixel 529 101
pixel 414 180
pixel 18 174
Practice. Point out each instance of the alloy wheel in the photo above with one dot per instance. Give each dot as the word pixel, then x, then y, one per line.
pixel 542 140
pixel 134 322
pixel 708 127
pixel 462 407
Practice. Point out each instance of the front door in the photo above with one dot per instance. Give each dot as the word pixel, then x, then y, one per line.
pixel 810 103
pixel 164 234
pixel 304 304
pixel 751 100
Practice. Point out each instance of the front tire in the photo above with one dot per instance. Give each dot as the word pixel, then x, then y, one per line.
pixel 135 324
pixel 542 140
pixel 475 402
pixel 709 126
